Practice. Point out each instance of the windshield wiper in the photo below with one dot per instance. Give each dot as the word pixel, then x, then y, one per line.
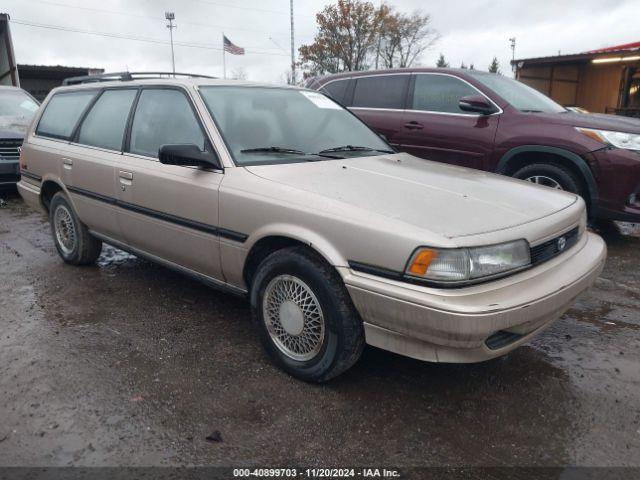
pixel 288 151
pixel 531 111
pixel 353 148
pixel 292 151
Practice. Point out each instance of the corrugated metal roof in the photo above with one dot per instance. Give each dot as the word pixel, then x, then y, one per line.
pixel 61 68
pixel 627 47
pixel 618 48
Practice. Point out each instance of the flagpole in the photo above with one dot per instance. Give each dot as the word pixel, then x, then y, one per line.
pixel 224 60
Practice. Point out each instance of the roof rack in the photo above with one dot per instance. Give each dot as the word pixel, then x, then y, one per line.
pixel 127 77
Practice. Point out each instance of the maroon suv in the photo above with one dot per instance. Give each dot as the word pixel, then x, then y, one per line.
pixel 490 122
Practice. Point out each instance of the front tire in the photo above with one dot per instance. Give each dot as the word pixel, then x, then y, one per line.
pixel 73 241
pixel 304 315
pixel 550 175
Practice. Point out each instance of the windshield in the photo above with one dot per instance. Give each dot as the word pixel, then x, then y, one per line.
pixel 16 103
pixel 263 125
pixel 519 95
pixel 16 110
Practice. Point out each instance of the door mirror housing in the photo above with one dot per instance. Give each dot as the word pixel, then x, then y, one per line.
pixel 476 104
pixel 187 155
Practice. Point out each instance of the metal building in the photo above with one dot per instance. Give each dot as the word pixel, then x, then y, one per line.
pixel 604 81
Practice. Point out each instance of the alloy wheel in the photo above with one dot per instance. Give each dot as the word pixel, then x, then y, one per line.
pixel 65 229
pixel 293 317
pixel 544 181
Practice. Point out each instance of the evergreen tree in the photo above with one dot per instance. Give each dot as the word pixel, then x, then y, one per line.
pixel 495 66
pixel 442 63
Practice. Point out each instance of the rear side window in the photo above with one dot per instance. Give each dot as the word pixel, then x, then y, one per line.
pixel 104 125
pixel 384 91
pixel 336 89
pixel 440 93
pixel 163 117
pixel 62 114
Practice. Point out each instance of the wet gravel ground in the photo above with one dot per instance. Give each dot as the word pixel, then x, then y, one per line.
pixel 128 363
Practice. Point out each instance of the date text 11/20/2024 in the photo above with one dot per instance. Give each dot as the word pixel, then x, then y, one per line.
pixel 328 473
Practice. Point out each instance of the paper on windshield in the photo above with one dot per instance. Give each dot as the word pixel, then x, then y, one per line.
pixel 29 105
pixel 321 101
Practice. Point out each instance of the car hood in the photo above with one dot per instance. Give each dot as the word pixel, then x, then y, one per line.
pixel 13 127
pixel 444 199
pixel 599 121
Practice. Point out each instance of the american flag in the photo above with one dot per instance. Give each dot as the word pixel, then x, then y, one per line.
pixel 230 47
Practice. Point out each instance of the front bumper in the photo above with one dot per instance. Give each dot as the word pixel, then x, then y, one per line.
pixel 461 325
pixel 9 172
pixel 618 185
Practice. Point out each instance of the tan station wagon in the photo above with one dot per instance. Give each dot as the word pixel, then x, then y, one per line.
pixel 282 195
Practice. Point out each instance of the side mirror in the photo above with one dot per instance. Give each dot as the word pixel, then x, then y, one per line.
pixel 476 104
pixel 187 155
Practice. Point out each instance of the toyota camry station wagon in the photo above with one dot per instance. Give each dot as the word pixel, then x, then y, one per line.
pixel 280 194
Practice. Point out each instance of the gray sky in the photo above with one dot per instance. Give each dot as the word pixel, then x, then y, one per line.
pixel 472 31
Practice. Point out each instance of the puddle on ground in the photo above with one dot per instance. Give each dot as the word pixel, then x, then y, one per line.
pixel 606 316
pixel 112 256
pixel 626 228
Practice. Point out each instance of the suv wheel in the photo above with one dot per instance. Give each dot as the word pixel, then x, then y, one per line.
pixel 305 317
pixel 72 238
pixel 550 175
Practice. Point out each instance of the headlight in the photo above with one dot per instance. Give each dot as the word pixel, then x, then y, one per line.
pixel 456 265
pixel 628 141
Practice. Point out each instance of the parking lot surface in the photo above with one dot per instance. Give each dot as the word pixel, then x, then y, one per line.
pixel 128 363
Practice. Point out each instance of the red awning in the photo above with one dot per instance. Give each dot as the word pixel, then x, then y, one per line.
pixel 617 48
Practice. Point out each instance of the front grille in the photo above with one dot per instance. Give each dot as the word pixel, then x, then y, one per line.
pixel 549 249
pixel 9 150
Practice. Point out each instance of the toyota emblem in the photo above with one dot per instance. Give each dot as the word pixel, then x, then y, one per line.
pixel 562 242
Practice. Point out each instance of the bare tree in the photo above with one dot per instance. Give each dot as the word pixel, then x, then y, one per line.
pixel 404 37
pixel 347 34
pixel 287 77
pixel 238 74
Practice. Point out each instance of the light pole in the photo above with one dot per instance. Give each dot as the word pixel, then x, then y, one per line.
pixel 293 55
pixel 512 40
pixel 170 16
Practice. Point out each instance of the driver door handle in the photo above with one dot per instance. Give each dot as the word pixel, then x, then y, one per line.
pixel 413 125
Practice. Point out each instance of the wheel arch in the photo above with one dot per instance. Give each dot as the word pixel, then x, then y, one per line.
pixel 518 157
pixel 266 243
pixel 48 189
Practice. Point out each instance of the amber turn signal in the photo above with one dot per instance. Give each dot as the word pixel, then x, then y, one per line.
pixel 421 261
pixel 592 134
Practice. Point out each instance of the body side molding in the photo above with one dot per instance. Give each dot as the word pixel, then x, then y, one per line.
pixel 202 227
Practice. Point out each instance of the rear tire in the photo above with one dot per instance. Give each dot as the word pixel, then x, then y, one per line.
pixel 550 175
pixel 73 241
pixel 306 320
